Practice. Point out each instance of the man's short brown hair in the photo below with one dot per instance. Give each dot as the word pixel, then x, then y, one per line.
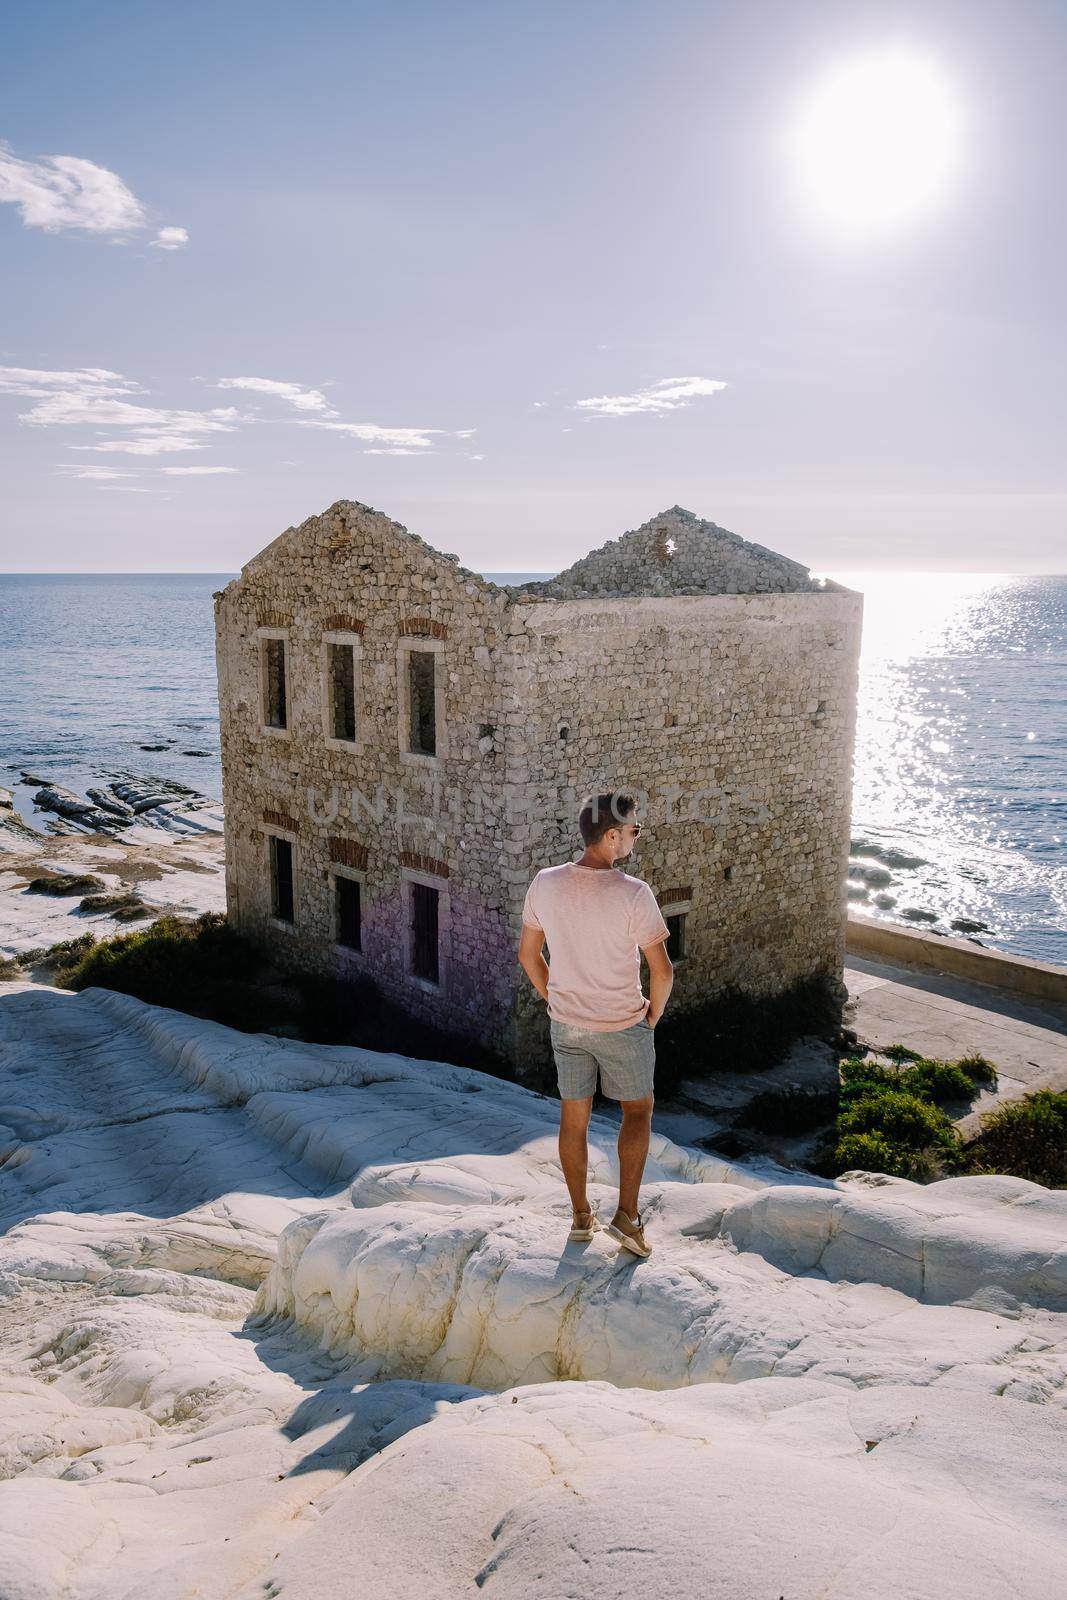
pixel 603 811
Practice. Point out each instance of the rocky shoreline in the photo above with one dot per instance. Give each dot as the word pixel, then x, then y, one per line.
pixel 874 874
pixel 132 848
pixel 116 803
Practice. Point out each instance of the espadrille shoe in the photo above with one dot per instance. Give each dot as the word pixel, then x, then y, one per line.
pixel 630 1233
pixel 583 1225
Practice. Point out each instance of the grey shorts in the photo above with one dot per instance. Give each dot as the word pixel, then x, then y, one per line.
pixel 626 1060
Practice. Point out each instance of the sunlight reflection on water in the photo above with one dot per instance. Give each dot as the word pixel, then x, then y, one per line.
pixel 961 749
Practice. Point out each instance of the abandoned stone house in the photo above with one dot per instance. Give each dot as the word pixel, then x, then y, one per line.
pixel 405 743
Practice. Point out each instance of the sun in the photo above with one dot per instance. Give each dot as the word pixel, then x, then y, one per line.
pixel 876 142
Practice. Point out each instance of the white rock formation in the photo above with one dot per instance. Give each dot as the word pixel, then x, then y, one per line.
pixel 296 1321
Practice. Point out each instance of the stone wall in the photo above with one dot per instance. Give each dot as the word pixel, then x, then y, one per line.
pixel 353 571
pixel 740 705
pixel 735 716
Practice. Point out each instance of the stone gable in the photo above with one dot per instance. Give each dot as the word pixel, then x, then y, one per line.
pixel 345 538
pixel 677 553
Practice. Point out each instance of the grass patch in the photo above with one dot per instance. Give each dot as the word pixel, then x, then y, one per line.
pixel 978 1068
pixel 1027 1138
pixel 900 1052
pixel 123 907
pixel 893 1121
pixel 892 1118
pixel 940 1082
pixel 65 883
pixel 51 956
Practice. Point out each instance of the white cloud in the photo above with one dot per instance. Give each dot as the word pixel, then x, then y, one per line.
pixel 147 444
pixel 69 407
pixel 82 380
pixel 669 394
pixel 297 395
pixel 170 239
pixel 96 398
pixel 60 192
pixel 109 406
pixel 413 441
pixel 91 474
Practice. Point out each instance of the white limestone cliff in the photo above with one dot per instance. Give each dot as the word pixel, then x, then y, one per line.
pixel 301 1321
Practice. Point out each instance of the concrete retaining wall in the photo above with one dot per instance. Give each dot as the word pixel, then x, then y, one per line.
pixel 907 947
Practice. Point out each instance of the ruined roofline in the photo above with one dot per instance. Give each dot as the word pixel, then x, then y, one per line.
pixel 676 553
pixel 343 509
pixel 634 565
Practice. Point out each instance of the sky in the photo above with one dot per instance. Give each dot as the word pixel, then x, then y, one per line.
pixel 523 275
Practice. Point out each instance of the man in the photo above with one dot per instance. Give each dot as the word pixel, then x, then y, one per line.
pixel 596 920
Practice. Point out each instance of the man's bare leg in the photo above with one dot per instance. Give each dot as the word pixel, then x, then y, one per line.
pixel 574 1150
pixel 633 1152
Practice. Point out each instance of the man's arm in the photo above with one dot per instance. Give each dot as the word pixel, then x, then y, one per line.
pixel 660 979
pixel 532 958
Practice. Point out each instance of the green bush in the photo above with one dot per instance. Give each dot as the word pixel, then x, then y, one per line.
pixel 901 1118
pixel 939 1081
pixel 1027 1138
pixel 901 1052
pixel 202 967
pixel 888 1118
pixel 891 1118
pixel 978 1069
pixel 927 1079
pixel 859 1077
pixel 873 1152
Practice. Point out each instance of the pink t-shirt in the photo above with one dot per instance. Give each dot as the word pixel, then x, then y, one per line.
pixel 596 921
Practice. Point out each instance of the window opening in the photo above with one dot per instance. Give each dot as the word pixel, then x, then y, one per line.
pixel 424 945
pixel 676 936
pixel 341 687
pixel 349 913
pixel 422 697
pixel 281 878
pixel 274 683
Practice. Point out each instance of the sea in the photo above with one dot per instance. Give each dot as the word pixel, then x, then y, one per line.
pixel 959 797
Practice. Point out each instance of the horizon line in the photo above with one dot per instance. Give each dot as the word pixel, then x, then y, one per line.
pixel 200 572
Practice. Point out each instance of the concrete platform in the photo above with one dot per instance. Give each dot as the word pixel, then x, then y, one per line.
pixel 949 1017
